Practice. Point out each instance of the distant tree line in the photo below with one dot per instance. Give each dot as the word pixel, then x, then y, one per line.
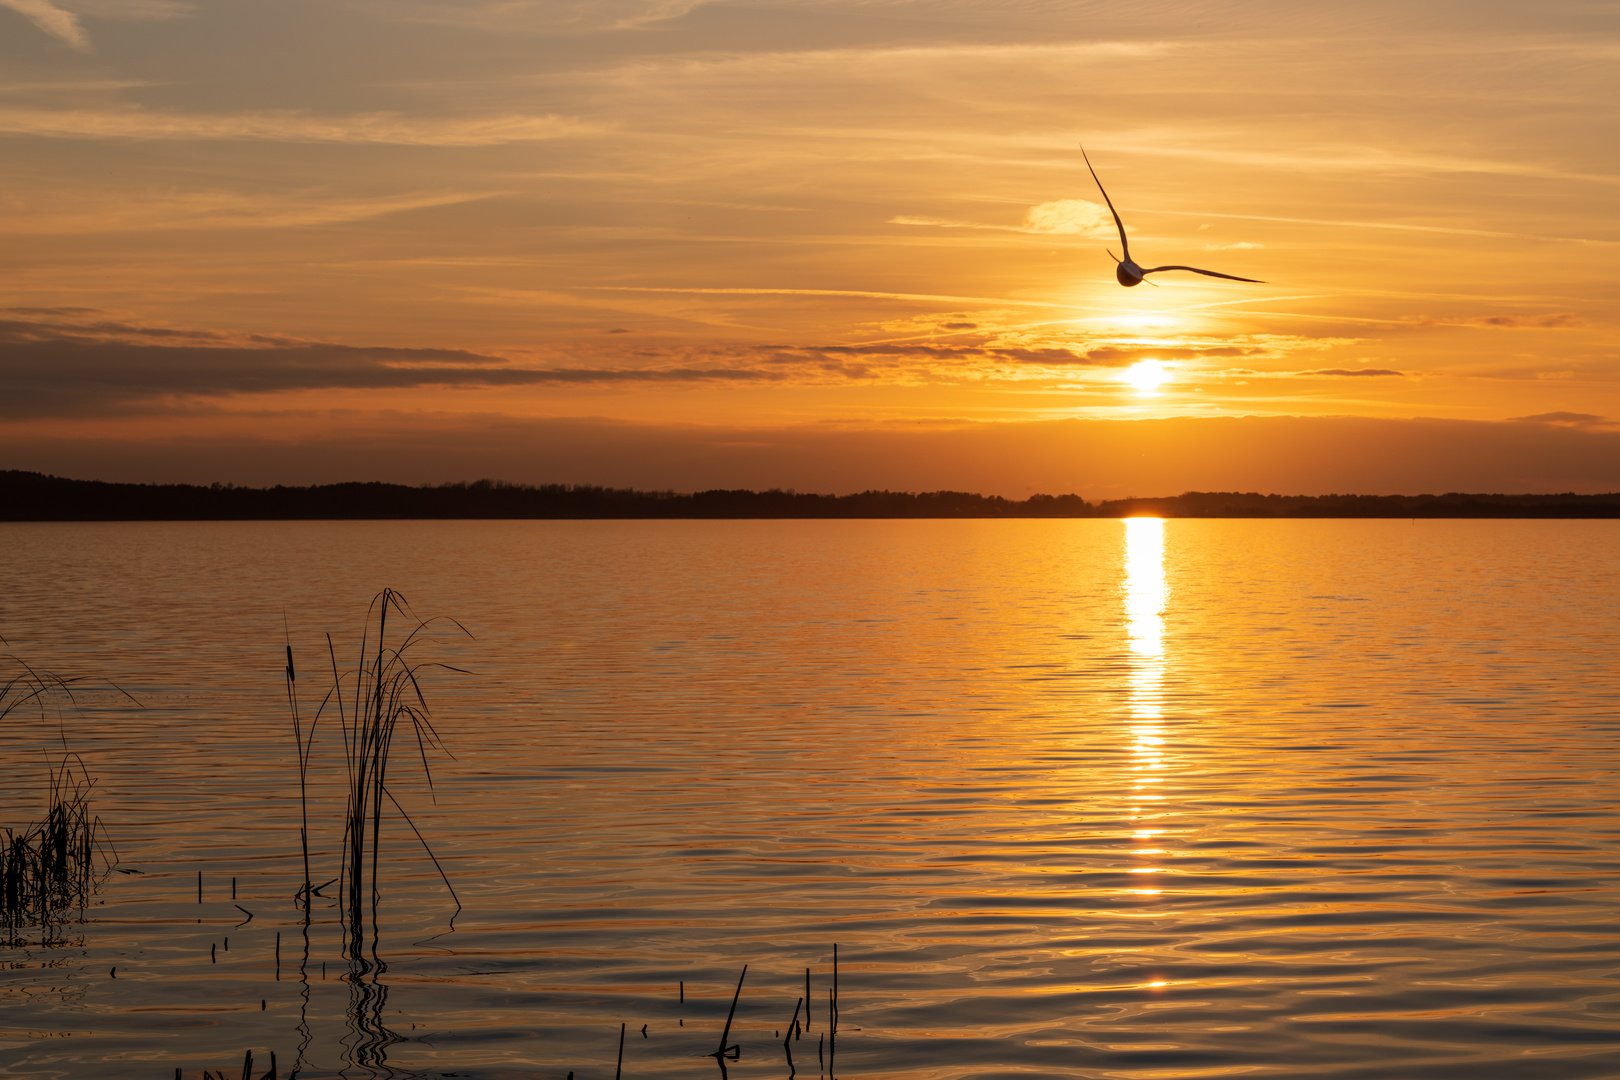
pixel 31 496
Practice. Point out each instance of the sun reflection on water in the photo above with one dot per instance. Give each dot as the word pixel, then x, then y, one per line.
pixel 1145 597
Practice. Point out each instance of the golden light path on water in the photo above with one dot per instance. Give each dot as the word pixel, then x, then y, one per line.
pixel 1146 595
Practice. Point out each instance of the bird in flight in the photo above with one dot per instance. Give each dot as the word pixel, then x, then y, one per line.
pixel 1130 274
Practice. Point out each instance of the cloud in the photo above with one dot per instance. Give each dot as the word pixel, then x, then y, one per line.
pixel 380 127
pixel 61 25
pixel 134 10
pixel 1559 321
pixel 1065 217
pixel 72 361
pixel 101 366
pixel 1005 351
pixel 1070 217
pixel 1352 372
pixel 69 212
pixel 1049 355
pixel 854 293
pixel 1566 419
pixel 947 223
pixel 539 16
pixel 1398 227
pixel 1125 355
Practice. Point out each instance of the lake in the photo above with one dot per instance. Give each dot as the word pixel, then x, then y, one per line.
pixel 1091 798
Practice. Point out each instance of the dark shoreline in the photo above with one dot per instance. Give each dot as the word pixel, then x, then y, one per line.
pixel 30 496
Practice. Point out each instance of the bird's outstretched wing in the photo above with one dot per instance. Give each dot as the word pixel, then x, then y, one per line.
pixel 1206 273
pixel 1124 243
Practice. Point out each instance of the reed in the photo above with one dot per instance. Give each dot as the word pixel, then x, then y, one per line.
pixel 49 868
pixel 304 743
pixel 380 707
pixel 386 698
pixel 725 1036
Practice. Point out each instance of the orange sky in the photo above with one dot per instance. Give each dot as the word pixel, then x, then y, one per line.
pixel 829 245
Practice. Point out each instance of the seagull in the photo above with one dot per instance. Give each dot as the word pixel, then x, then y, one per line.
pixel 1128 273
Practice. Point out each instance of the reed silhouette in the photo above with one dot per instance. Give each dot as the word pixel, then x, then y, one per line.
pixel 380 709
pixel 377 701
pixel 49 868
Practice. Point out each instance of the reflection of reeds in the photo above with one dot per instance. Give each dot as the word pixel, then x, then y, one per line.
pixel 247 1070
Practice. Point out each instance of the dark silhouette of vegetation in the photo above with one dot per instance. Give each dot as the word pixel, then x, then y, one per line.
pixel 28 496
pixel 377 699
pixel 48 868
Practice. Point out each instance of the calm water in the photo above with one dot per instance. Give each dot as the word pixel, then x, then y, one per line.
pixel 1073 798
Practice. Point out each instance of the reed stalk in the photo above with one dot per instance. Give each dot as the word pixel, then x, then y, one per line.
pixel 379 702
pixel 304 743
pixel 49 868
pixel 725 1036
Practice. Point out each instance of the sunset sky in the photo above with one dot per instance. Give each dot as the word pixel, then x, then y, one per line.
pixel 824 245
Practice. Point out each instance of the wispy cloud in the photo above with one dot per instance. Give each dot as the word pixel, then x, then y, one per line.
pixel 393 128
pixel 1350 373
pixel 1566 419
pixel 928 297
pixel 539 16
pixel 1064 217
pixel 1351 158
pixel 61 25
pixel 134 10
pixel 1398 227
pixel 1120 355
pixel 1562 320
pixel 70 213
pixel 81 361
pixel 88 366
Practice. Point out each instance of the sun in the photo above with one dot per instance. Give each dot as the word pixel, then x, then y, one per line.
pixel 1147 376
